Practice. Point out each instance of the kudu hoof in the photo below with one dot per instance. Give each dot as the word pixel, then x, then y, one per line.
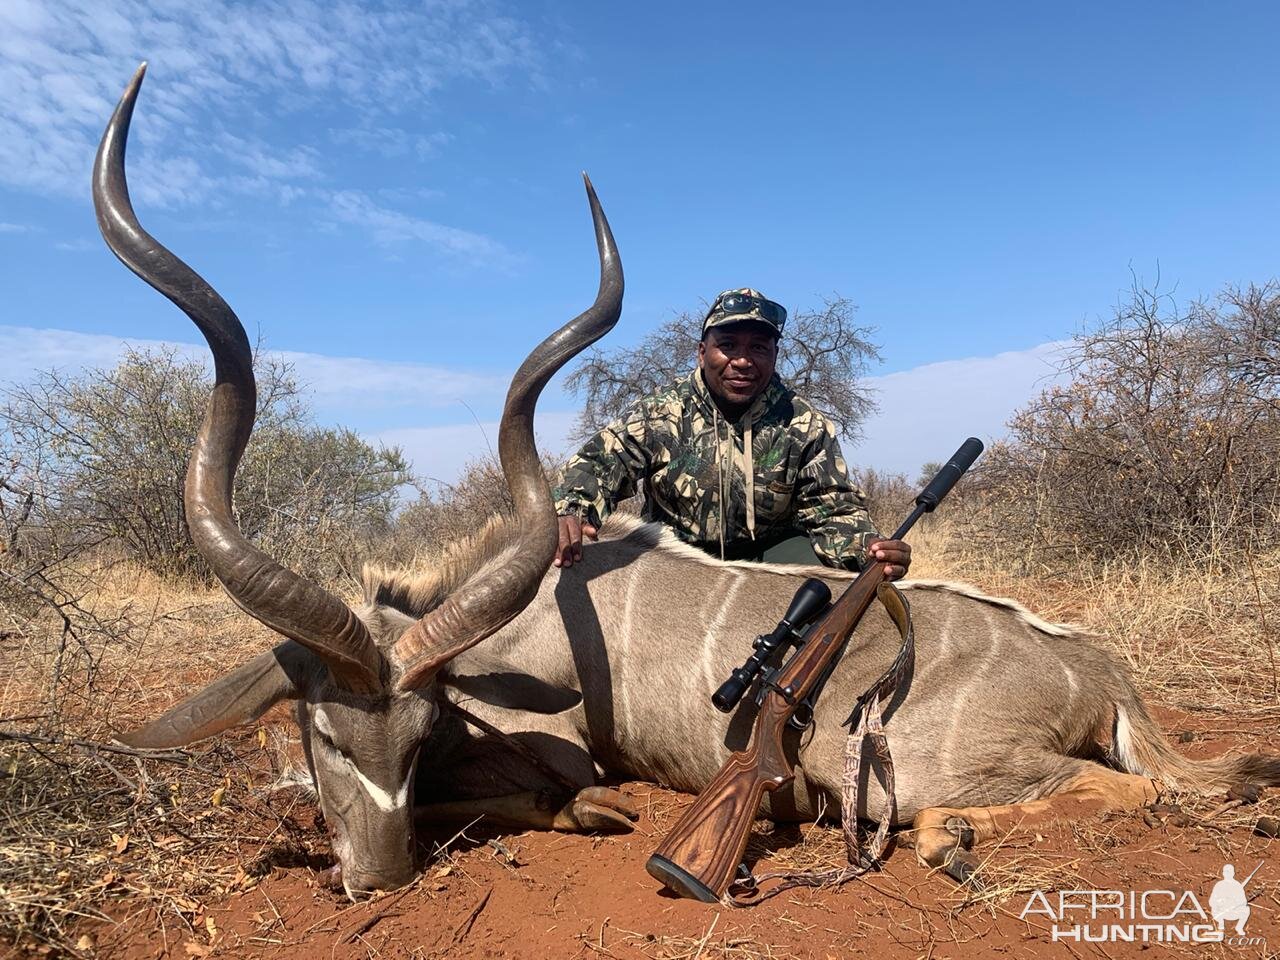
pixel 331 879
pixel 597 809
pixel 609 798
pixel 592 817
pixel 963 869
pixel 946 847
pixel 959 865
pixel 962 830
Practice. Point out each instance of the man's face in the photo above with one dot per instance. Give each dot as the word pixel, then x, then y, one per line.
pixel 737 361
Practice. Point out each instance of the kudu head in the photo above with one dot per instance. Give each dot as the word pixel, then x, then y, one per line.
pixel 365 680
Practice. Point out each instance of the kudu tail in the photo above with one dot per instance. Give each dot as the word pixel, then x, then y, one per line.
pixel 1141 747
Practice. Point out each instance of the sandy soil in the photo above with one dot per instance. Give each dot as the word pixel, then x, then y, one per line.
pixel 537 895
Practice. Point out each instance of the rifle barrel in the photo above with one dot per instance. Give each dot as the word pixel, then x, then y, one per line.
pixel 1250 876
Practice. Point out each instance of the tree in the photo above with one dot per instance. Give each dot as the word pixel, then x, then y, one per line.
pixel 823 355
pixel 103 456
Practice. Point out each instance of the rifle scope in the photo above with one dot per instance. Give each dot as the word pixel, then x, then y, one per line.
pixel 810 600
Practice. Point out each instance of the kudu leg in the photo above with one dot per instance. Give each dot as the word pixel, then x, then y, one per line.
pixel 943 836
pixel 591 809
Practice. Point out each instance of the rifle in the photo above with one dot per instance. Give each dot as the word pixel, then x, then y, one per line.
pixel 701 855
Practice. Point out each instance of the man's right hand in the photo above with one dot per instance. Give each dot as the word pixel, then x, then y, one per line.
pixel 571 532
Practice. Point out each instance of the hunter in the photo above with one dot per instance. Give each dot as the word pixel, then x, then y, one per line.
pixel 729 458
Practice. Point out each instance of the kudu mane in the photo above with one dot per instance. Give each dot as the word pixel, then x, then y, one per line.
pixel 418 589
pixel 422 586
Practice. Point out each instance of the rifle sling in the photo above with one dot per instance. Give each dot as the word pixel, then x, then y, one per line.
pixel 866 722
pixel 516 746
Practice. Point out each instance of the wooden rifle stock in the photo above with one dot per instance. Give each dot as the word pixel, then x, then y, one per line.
pixel 700 856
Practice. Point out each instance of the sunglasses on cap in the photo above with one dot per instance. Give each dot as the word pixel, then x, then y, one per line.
pixel 735 304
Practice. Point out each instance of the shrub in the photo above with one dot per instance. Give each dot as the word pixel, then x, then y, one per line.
pixel 100 459
pixel 1165 440
pixel 889 496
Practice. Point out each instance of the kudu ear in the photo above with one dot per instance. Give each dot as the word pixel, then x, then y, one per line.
pixel 514 691
pixel 242 695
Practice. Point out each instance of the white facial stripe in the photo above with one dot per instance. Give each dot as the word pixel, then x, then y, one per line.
pixel 385 800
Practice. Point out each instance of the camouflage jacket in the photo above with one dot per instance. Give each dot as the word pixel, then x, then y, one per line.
pixel 732 489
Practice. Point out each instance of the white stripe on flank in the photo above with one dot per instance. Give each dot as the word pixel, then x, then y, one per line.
pixel 622 685
pixel 944 635
pixel 993 631
pixel 940 657
pixel 710 680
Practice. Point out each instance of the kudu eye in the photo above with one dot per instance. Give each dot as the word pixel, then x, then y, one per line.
pixel 327 742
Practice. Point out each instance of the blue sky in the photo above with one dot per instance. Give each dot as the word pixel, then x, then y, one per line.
pixel 390 191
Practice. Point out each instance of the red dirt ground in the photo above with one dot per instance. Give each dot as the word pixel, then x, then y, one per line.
pixel 540 895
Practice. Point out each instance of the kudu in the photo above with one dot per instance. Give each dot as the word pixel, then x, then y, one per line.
pixel 610 666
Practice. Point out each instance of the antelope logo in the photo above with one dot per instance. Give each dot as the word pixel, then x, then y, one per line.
pixel 1228 901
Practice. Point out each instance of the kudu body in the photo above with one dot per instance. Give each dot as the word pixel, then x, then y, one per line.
pixel 610 666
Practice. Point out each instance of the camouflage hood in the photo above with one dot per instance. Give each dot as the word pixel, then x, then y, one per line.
pixel 726 452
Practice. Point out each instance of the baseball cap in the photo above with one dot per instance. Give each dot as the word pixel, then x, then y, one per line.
pixel 744 303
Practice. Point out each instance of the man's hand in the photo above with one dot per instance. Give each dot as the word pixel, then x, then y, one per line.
pixel 571 531
pixel 895 553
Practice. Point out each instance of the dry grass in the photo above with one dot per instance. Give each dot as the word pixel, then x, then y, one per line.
pixel 83 828
pixel 85 825
pixel 722 941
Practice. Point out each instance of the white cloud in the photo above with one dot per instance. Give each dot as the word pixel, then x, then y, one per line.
pixel 928 411
pixel 353 391
pixel 357 384
pixel 296 163
pixel 439 454
pixel 217 64
pixel 24 351
pixel 13 228
pixel 350 390
pixel 390 141
pixel 390 227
